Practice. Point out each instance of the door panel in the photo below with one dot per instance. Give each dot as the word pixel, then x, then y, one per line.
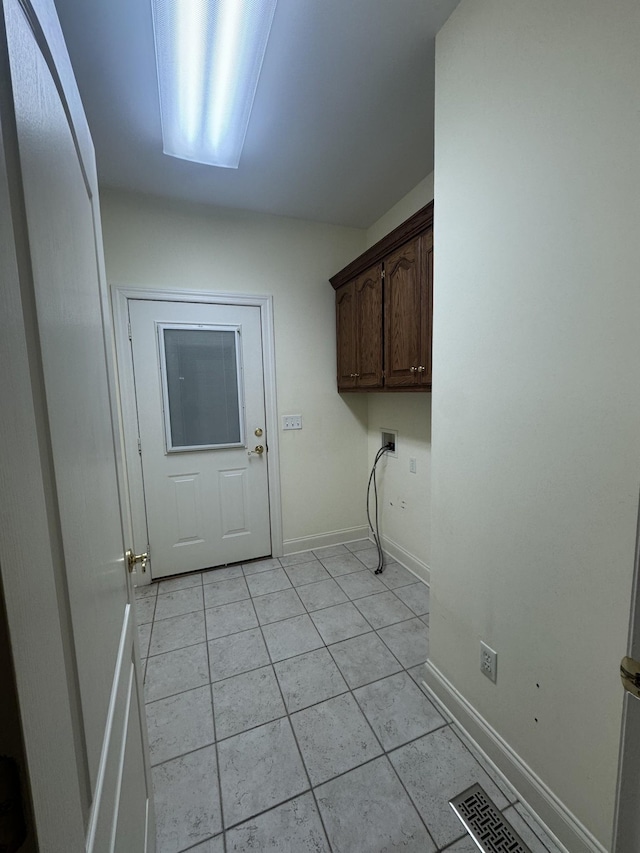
pixel 187 504
pixel 205 506
pixel 233 500
pixel 70 384
pixel 347 333
pixel 67 293
pixel 402 315
pixel 369 332
pixel 426 309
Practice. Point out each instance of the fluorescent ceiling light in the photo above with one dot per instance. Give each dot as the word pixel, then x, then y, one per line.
pixel 209 54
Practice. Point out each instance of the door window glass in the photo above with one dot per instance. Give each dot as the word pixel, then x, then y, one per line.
pixel 202 386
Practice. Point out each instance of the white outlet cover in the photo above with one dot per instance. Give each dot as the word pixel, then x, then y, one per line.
pixel 488 662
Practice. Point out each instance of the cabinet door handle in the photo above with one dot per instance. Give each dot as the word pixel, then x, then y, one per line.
pixel 413 369
pixel 421 369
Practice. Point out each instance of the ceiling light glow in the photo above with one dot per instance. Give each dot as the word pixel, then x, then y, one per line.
pixel 209 55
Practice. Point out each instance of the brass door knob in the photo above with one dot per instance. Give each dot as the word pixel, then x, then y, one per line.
pixel 259 448
pixel 132 559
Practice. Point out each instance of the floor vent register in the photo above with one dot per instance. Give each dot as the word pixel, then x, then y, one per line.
pixel 484 823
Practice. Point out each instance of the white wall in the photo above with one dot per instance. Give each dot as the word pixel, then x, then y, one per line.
pixel 536 381
pixel 157 244
pixel 405 498
pixel 416 198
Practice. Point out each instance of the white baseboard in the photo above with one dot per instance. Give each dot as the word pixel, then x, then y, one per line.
pixel 561 823
pixel 320 540
pixel 406 559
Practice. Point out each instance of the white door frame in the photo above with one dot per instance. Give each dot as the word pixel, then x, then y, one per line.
pixel 626 828
pixel 120 296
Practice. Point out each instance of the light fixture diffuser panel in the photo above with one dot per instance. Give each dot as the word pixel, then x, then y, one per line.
pixel 209 54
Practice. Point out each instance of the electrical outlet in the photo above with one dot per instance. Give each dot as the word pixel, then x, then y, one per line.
pixel 412 464
pixel 292 422
pixel 488 662
pixel 389 437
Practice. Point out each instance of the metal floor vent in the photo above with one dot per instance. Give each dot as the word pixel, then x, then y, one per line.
pixel 484 823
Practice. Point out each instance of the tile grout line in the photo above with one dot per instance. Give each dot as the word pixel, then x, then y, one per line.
pixel 384 752
pixel 294 565
pixel 292 586
pixel 288 713
pixel 215 742
pixel 325 645
pixel 308 613
pixel 215 733
pixel 271 661
pixel 295 738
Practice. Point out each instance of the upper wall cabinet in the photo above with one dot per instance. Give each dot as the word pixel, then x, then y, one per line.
pixel 407 314
pixel 383 311
pixel 359 320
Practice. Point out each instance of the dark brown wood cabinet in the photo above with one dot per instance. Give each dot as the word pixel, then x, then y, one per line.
pixel 407 314
pixel 358 318
pixel 346 335
pixel 384 305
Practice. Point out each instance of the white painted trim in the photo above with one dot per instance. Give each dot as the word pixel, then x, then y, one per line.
pixel 321 540
pixel 561 824
pixel 119 301
pixel 117 715
pixel 407 559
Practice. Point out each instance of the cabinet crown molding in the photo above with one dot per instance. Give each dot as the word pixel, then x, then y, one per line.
pixel 416 224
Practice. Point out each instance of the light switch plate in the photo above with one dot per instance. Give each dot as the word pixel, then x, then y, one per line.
pixel 292 422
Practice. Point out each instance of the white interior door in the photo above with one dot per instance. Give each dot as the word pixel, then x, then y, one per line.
pixel 82 684
pixel 199 384
pixel 627 822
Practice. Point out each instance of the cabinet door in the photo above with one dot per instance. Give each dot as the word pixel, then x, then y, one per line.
pixel 426 309
pixel 346 334
pixel 368 288
pixel 403 316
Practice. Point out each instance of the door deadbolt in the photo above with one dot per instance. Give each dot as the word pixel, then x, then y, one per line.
pixel 258 432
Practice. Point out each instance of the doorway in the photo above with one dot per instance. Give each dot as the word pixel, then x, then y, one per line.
pixel 202 466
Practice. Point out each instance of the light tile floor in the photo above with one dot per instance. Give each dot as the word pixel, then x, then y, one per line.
pixel 285 712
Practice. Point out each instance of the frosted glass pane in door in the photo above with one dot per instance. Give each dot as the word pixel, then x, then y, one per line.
pixel 202 388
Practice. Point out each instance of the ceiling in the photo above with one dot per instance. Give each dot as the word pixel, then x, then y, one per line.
pixel 342 123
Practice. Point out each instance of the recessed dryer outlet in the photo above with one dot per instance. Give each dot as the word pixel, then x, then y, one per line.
pixel 389 437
